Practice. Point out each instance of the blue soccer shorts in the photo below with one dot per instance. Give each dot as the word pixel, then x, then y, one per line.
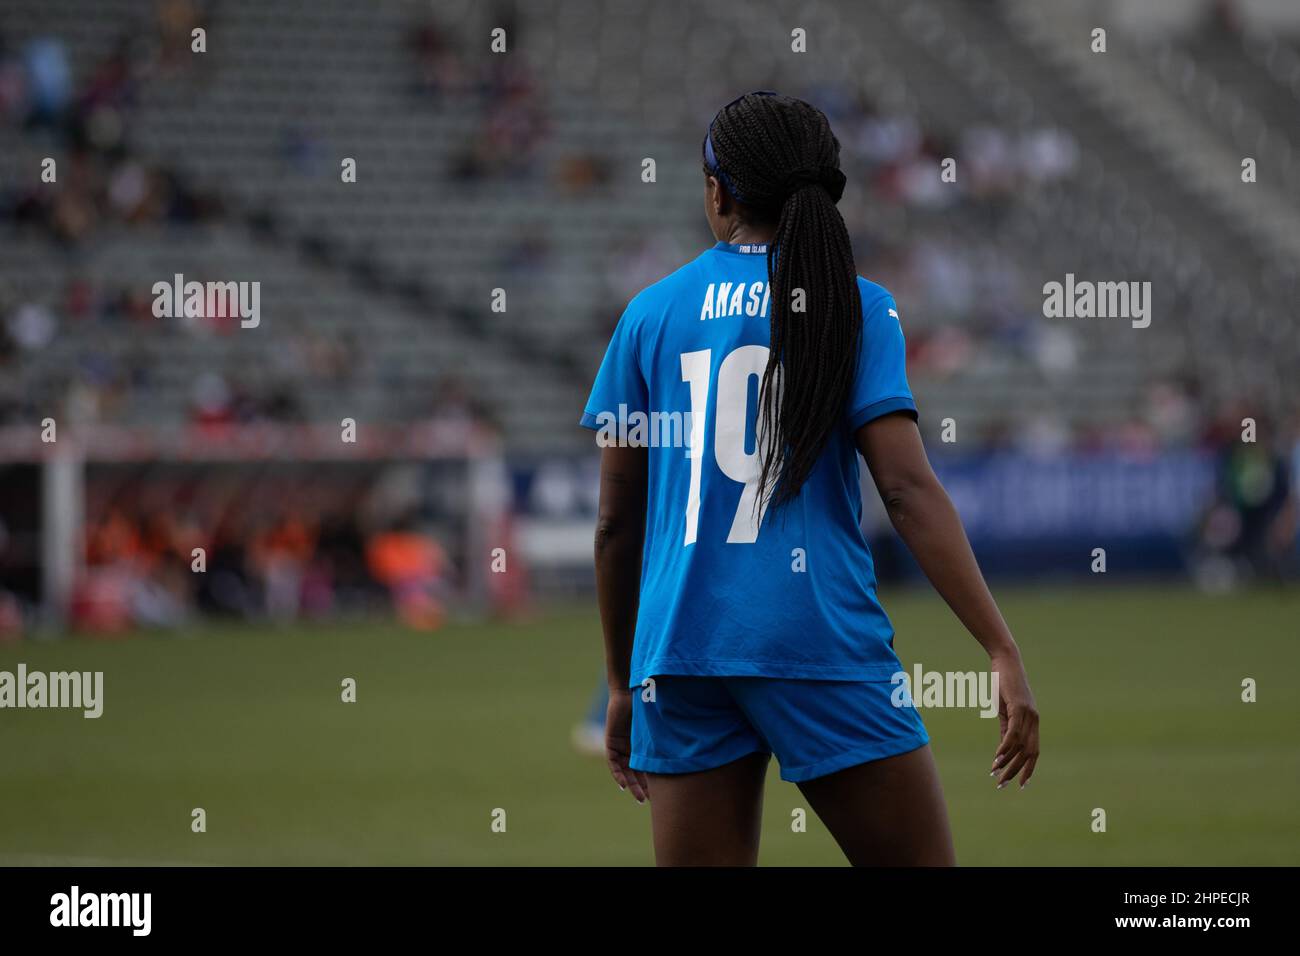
pixel 814 727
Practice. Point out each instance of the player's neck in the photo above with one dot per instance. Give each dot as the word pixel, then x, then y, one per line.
pixel 742 233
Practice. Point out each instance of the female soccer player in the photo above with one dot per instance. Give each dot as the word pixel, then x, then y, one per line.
pixel 737 595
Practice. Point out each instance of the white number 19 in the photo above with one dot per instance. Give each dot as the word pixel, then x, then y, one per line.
pixel 728 435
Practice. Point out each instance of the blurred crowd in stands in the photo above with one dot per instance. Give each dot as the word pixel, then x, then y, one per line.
pixel 974 298
pixel 513 125
pixel 103 178
pixel 300 563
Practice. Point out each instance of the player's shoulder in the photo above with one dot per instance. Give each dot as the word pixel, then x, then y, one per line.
pixel 875 297
pixel 657 296
pixel 878 305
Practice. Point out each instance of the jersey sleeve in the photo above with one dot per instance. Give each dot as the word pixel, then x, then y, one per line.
pixel 880 383
pixel 620 381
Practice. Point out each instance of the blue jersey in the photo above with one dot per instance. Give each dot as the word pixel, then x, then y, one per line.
pixel 726 588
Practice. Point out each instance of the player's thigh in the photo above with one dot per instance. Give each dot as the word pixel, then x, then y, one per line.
pixel 887 812
pixel 710 817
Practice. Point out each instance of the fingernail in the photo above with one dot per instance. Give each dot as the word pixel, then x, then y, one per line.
pixel 1001 785
pixel 621 788
pixel 992 773
pixel 1025 784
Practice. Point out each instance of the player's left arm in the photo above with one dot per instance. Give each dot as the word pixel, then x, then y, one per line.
pixel 924 517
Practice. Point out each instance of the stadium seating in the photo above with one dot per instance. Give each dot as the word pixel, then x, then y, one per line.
pixel 458 195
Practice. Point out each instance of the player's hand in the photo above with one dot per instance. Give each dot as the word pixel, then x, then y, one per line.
pixel 1018 721
pixel 618 745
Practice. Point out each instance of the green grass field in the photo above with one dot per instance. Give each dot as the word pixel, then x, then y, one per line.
pixel 1139 691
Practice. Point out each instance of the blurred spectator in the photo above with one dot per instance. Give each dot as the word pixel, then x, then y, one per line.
pixel 438 65
pixel 1249 531
pixel 49 81
pixel 413 567
pixel 280 555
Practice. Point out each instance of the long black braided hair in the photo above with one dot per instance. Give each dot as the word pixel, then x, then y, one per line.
pixel 778 158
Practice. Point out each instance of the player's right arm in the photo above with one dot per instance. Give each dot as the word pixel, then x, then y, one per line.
pixel 620 535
